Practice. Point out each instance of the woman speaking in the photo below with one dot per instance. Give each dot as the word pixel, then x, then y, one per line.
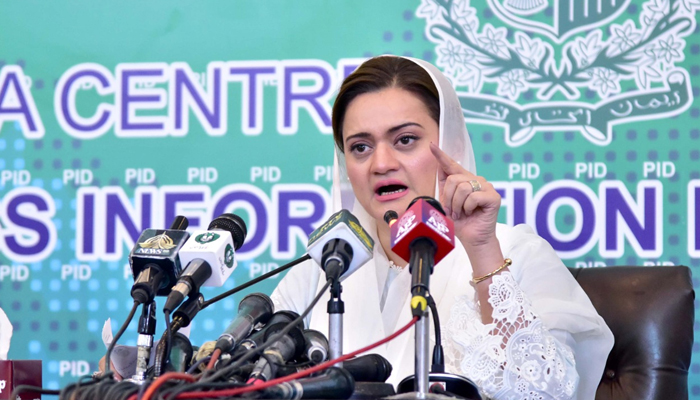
pixel 514 319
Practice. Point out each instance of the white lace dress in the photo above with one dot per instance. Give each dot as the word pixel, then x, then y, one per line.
pixel 514 357
pixel 546 340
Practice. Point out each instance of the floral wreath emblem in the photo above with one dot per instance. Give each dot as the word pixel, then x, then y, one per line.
pixel 630 66
pixel 229 256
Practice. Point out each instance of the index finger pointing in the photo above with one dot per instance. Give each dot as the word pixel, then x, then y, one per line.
pixel 447 164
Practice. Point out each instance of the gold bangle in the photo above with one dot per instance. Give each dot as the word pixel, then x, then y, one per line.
pixel 506 263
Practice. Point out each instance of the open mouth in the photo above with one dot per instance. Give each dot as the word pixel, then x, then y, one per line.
pixel 391 189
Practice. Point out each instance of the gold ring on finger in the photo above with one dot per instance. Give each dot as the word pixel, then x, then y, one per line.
pixel 476 186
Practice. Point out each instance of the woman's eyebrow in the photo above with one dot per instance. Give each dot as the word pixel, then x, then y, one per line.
pixel 359 135
pixel 392 130
pixel 399 127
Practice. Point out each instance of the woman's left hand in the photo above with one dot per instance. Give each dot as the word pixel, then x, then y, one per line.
pixel 474 212
pixel 473 204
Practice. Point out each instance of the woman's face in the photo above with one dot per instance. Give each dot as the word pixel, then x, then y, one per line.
pixel 386 137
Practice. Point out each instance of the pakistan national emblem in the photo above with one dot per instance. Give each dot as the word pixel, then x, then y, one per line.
pixel 228 256
pixel 206 237
pixel 608 69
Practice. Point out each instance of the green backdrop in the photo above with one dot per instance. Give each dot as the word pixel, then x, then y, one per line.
pixel 116 116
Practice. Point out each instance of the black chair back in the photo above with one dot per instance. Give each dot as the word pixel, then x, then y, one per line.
pixel 651 314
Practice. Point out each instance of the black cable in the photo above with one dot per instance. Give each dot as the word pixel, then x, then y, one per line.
pixel 175 391
pixel 256 280
pixel 193 368
pixel 118 335
pixel 168 344
pixel 87 392
pixel 77 391
pixel 98 391
pixel 438 389
pixel 169 331
pixel 120 390
pixel 436 320
pixel 141 391
pixel 230 368
pixel 27 388
pixel 82 383
pixel 160 353
pixel 297 365
pixel 438 353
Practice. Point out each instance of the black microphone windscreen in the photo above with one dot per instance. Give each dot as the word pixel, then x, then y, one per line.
pixel 369 368
pixel 391 215
pixel 436 204
pixel 231 223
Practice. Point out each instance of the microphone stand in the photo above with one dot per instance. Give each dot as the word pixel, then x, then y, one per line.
pixel 421 352
pixel 422 253
pixel 336 309
pixel 146 329
pixel 335 261
pixel 421 267
pixel 421 264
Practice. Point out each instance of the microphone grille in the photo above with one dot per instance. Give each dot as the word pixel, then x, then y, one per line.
pixel 390 215
pixel 436 204
pixel 263 301
pixel 231 223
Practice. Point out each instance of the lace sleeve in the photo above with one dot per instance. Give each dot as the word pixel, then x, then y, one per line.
pixel 515 356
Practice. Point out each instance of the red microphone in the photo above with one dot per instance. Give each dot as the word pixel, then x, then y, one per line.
pixel 422 236
pixel 423 218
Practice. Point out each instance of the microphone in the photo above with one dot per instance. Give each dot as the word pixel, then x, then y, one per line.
pixel 336 258
pixel 426 236
pixel 255 308
pixel 316 346
pixel 316 352
pixel 288 347
pixel 340 246
pixel 335 383
pixel 154 261
pixel 209 256
pixel 345 231
pixel 424 218
pixel 369 368
pixel 423 236
pixel 256 339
